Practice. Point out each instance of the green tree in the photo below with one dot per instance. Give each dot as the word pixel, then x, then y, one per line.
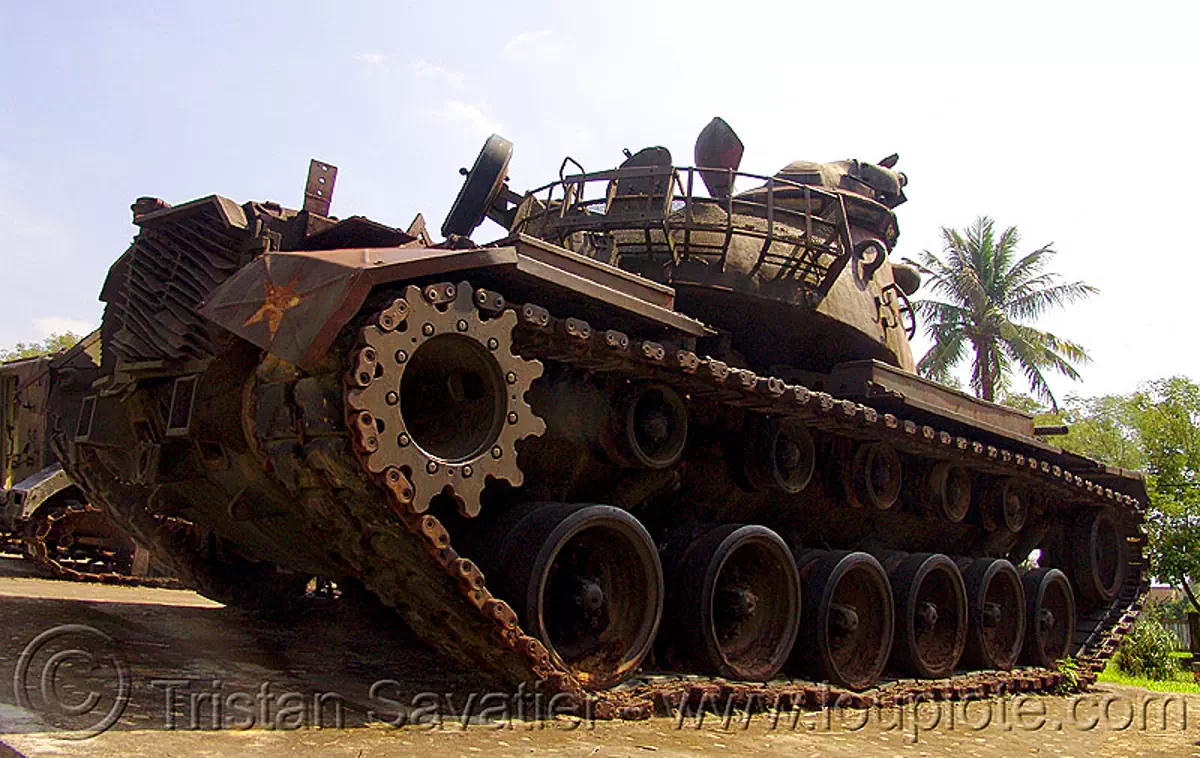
pixel 1155 429
pixel 51 344
pixel 986 292
pixel 1166 414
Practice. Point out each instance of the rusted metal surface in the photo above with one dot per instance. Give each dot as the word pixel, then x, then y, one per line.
pixel 318 190
pixel 931 613
pixel 52 535
pixel 437 398
pixel 27 495
pixel 718 147
pixel 40 505
pixel 314 294
pixel 804 248
pixel 736 613
pixel 883 385
pixel 363 413
pixel 553 339
pixel 612 277
pixel 156 287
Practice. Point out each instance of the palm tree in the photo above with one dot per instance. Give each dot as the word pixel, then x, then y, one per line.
pixel 985 289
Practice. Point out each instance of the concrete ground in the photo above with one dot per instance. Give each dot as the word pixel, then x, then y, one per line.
pixel 177 675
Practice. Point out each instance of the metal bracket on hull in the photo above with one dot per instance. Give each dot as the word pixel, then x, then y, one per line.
pixel 318 190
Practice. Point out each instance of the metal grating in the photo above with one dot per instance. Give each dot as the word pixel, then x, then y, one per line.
pixel 798 233
pixel 174 263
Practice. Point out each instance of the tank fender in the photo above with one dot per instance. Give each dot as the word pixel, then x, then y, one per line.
pixel 21 500
pixel 293 304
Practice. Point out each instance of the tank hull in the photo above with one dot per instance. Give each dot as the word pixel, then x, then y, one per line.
pixel 280 444
pixel 523 450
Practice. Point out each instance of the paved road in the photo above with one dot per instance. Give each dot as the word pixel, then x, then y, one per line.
pixel 202 679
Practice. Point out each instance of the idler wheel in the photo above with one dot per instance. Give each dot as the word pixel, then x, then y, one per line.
pixel 780 456
pixel 848 617
pixel 1005 505
pixel 648 427
pixel 1050 624
pixel 1098 556
pixel 735 605
pixel 948 491
pixel 873 477
pixel 995 611
pixel 931 613
pixel 587 582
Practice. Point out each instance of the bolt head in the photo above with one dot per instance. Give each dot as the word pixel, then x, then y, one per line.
pixel 467 471
pixel 510 377
pixel 401 356
pixel 512 417
pixel 497 452
pixel 493 343
pixel 431 467
pixel 461 325
pixel 392 398
pixel 427 330
pixel 404 440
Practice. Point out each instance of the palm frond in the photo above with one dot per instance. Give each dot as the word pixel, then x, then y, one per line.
pixel 1031 358
pixel 936 311
pixel 1030 265
pixel 949 348
pixel 1036 351
pixel 1002 260
pixel 947 281
pixel 1032 304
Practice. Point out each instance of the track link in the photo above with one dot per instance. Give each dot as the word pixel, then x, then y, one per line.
pixel 43 556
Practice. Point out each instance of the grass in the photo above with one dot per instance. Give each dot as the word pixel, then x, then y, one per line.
pixel 1182 682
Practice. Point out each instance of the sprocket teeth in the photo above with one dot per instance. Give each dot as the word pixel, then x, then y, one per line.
pixel 484 449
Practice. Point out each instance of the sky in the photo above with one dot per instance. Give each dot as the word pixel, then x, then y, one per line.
pixel 1075 122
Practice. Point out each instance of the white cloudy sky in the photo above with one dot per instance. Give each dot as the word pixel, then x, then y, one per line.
pixel 1076 122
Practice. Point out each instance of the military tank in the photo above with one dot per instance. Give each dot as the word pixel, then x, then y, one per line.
pixel 662 424
pixel 44 516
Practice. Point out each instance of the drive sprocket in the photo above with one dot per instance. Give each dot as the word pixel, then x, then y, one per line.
pixel 436 397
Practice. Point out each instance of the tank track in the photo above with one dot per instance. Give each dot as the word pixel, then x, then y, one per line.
pixel 540 336
pixel 38 550
pixel 176 543
pixel 443 596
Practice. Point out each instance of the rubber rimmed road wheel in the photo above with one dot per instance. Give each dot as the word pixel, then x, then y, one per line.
pixel 996 613
pixel 848 619
pixel 734 607
pixel 931 613
pixel 1099 556
pixel 585 580
pixel 1050 623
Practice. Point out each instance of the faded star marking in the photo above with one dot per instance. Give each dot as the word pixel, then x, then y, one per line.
pixel 277 300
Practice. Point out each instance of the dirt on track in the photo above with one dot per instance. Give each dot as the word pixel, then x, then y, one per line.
pixel 203 679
